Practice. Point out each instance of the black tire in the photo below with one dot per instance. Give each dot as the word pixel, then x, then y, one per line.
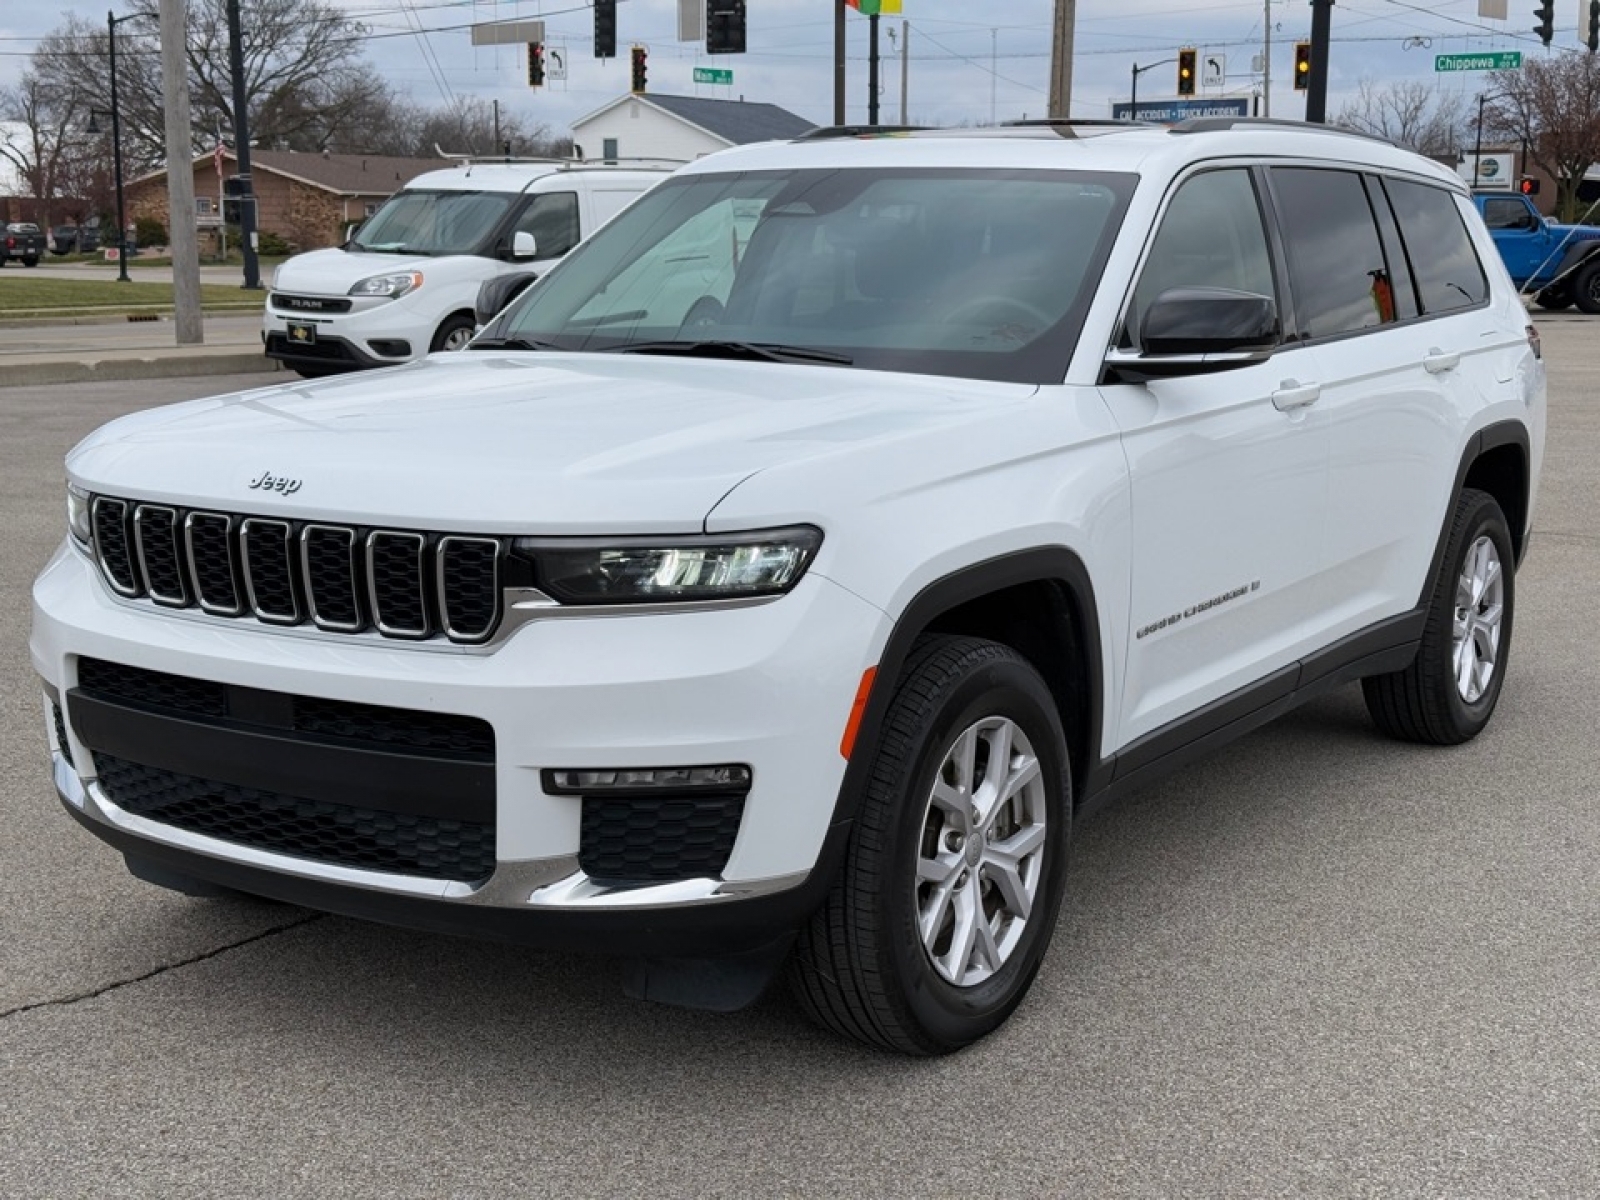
pixel 450 331
pixel 1586 286
pixel 861 966
pixel 1554 299
pixel 30 262
pixel 1433 700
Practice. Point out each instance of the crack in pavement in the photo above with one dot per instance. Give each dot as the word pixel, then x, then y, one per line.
pixel 64 1001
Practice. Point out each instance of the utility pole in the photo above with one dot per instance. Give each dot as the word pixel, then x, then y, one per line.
pixel 1061 59
pixel 183 237
pixel 1266 58
pixel 905 64
pixel 1317 85
pixel 872 69
pixel 241 146
pixel 838 61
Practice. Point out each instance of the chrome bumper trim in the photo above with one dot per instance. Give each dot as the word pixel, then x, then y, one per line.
pixel 543 884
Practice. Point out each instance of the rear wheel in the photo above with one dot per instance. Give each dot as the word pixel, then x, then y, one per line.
pixel 948 896
pixel 1586 286
pixel 1448 693
pixel 454 333
pixel 30 262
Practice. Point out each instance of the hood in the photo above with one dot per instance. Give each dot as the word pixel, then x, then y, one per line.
pixel 333 272
pixel 491 442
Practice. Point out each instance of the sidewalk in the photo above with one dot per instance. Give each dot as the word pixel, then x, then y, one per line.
pixel 83 349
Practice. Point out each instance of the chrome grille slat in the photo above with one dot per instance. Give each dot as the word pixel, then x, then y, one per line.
pixel 269 570
pixel 155 535
pixel 113 548
pixel 347 579
pixel 397 583
pixel 333 581
pixel 468 578
pixel 214 569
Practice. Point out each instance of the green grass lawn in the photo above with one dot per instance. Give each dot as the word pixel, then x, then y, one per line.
pixel 24 297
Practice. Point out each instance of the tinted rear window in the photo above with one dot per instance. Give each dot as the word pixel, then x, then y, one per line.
pixel 1341 281
pixel 1443 261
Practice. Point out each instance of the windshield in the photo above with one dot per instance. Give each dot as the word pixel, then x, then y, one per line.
pixel 433 223
pixel 985 274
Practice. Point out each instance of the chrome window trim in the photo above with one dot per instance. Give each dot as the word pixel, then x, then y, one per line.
pixel 230 532
pixel 130 593
pixel 383 627
pixel 140 512
pixel 245 526
pixel 355 582
pixel 495 590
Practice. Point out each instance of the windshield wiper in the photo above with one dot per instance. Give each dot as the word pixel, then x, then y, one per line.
pixel 510 343
pixel 760 351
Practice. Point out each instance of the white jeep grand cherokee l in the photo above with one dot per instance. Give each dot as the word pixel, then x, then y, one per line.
pixel 779 579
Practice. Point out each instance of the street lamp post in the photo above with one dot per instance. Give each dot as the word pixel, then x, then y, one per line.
pixel 112 21
pixel 1133 106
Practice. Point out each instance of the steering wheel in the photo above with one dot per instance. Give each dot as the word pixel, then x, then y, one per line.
pixel 1002 308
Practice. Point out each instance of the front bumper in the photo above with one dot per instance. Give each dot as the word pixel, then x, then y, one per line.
pixel 770 686
pixel 374 332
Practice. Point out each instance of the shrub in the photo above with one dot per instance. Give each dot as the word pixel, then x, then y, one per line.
pixel 148 231
pixel 272 245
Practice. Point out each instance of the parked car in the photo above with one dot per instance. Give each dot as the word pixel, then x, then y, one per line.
pixel 1560 264
pixel 21 241
pixel 775 584
pixel 405 283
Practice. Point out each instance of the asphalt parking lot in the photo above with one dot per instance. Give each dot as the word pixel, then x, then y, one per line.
pixel 1317 964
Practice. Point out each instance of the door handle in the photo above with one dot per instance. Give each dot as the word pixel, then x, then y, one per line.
pixel 1293 394
pixel 1437 362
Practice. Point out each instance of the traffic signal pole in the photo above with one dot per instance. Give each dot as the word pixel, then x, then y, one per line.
pixel 1317 86
pixel 241 150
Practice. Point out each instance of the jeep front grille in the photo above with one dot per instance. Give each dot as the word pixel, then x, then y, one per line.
pixel 342 578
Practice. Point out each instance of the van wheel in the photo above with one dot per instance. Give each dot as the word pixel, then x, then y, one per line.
pixel 1586 286
pixel 1448 693
pixel 454 333
pixel 941 913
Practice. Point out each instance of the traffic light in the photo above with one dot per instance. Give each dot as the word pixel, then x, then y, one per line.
pixel 605 28
pixel 535 64
pixel 641 60
pixel 1529 186
pixel 1186 61
pixel 1302 65
pixel 724 26
pixel 1546 28
pixel 232 202
pixel 1594 26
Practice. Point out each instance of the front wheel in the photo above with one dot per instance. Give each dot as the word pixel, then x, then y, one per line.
pixel 945 904
pixel 30 262
pixel 1448 693
pixel 1586 286
pixel 454 333
pixel 1554 299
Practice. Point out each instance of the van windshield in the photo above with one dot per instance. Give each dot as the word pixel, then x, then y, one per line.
pixel 432 223
pixel 978 273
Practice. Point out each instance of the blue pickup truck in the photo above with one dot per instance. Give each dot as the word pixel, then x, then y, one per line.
pixel 1559 264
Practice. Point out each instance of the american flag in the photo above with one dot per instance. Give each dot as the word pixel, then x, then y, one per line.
pixel 216 158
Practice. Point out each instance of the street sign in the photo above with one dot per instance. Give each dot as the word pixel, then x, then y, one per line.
pixel 555 62
pixel 1213 70
pixel 1168 112
pixel 712 75
pixel 1500 60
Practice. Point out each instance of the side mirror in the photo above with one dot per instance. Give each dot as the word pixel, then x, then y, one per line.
pixel 523 245
pixel 494 294
pixel 1196 330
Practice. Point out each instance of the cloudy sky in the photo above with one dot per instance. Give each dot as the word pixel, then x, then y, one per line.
pixel 968 60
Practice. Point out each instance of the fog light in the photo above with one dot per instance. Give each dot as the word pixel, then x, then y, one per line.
pixel 648 779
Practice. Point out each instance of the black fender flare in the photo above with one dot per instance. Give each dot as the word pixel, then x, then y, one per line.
pixel 1490 437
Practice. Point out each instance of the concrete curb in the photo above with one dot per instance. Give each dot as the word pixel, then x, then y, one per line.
pixel 136 366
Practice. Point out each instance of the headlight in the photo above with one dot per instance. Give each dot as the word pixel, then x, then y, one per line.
pixel 662 570
pixel 78 516
pixel 391 286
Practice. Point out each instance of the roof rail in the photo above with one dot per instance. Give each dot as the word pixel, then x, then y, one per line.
pixel 1217 124
pixel 1069 123
pixel 847 131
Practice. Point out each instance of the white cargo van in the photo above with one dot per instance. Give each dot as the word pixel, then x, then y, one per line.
pixel 404 284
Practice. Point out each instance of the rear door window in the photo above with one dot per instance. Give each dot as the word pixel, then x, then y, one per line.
pixel 1443 260
pixel 1341 278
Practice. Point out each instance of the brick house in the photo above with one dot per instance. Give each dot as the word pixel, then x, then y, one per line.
pixel 306 199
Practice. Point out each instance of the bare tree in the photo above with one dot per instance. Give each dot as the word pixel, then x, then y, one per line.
pixel 1408 112
pixel 44 141
pixel 1552 105
pixel 469 127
